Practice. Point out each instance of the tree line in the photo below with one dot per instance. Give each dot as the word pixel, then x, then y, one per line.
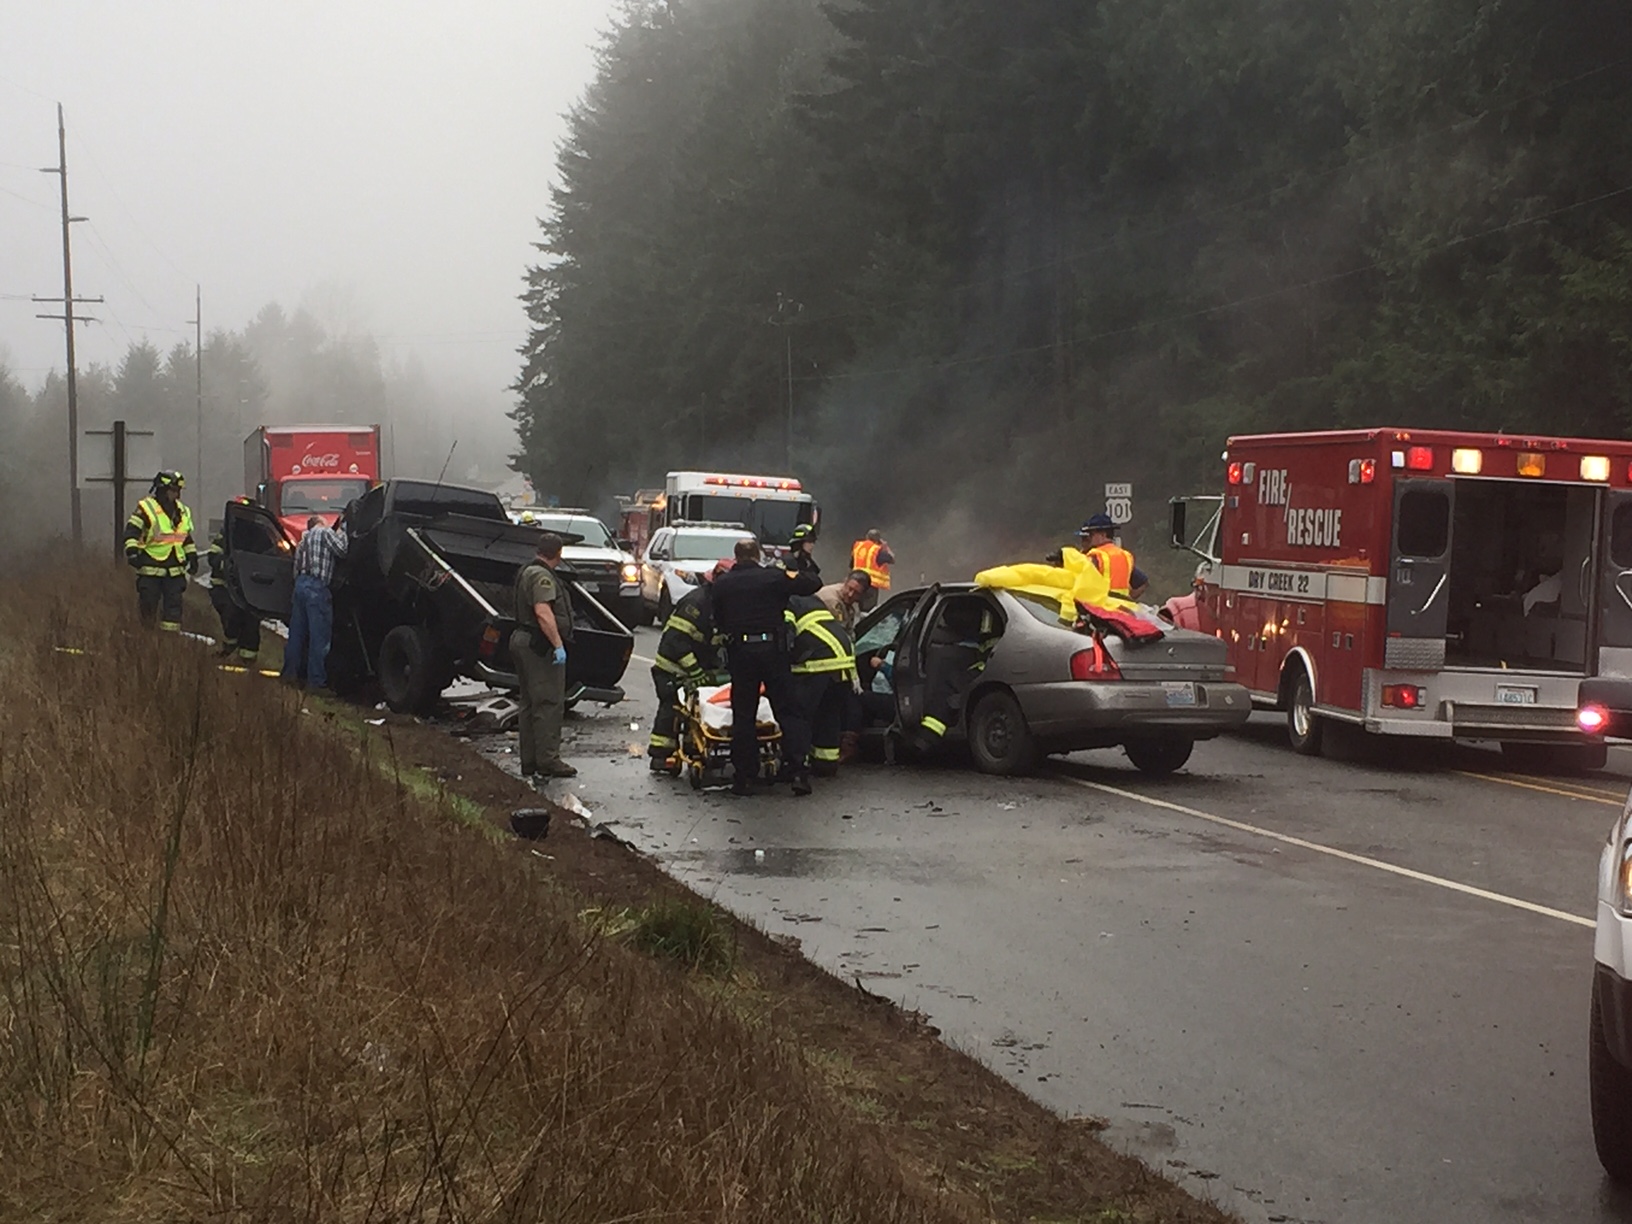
pixel 1009 251
pixel 281 368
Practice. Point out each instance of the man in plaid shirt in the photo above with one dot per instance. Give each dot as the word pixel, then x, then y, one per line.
pixel 311 619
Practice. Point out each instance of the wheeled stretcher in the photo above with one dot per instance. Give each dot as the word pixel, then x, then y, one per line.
pixel 704 734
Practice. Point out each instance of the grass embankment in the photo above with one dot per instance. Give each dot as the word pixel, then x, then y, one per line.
pixel 245 972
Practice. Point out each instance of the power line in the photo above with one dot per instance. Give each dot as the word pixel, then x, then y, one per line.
pixel 128 211
pixel 17 195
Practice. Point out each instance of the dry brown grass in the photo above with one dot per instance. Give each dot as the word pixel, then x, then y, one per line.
pixel 245 973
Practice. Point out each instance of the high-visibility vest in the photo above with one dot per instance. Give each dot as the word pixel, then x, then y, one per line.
pixel 161 544
pixel 820 643
pixel 864 557
pixel 1116 563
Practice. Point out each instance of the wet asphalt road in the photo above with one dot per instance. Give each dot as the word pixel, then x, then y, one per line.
pixel 1299 1035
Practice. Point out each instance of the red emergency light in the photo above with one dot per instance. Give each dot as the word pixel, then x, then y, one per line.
pixel 1592 719
pixel 1403 696
pixel 1419 458
pixel 1234 473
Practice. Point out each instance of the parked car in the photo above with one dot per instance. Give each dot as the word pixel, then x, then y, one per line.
pixel 1045 686
pixel 424 594
pixel 676 560
pixel 600 562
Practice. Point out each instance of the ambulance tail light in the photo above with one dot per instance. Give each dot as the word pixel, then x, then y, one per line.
pixel 1532 463
pixel 1592 719
pixel 1419 458
pixel 1362 471
pixel 1466 461
pixel 1094 664
pixel 1404 696
pixel 1595 467
pixel 1234 472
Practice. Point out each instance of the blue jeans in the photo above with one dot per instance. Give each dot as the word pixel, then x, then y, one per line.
pixel 311 621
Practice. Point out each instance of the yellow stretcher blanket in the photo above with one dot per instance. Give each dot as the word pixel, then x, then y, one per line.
pixel 1073 582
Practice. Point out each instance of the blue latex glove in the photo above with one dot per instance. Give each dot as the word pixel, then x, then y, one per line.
pixel 561 655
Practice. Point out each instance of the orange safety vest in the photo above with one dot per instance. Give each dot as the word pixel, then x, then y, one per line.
pixel 1116 563
pixel 864 557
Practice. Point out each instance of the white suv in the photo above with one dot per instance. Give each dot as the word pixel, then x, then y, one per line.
pixel 595 558
pixel 678 558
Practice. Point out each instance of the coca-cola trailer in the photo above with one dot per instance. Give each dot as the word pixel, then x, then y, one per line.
pixel 297 471
pixel 1421 582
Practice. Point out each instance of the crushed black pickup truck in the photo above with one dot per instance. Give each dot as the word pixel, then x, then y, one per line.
pixel 424 594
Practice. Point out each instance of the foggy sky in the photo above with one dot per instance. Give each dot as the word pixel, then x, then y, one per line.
pixel 382 162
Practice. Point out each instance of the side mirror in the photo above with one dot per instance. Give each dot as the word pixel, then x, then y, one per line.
pixel 1177 534
pixel 628 546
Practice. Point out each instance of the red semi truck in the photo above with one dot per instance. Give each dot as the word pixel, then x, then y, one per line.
pixel 1421 582
pixel 296 471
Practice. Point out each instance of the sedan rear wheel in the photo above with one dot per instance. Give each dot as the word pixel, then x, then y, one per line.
pixel 999 739
pixel 1159 756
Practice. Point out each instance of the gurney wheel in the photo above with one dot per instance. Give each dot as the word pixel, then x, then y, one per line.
pixel 694 775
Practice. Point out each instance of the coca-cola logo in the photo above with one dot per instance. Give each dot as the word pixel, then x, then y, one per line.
pixel 330 460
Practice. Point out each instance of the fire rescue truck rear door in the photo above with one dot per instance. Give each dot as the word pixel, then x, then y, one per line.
pixel 1419 574
pixel 1615 627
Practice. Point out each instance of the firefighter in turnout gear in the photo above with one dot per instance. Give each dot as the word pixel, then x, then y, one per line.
pixel 240 628
pixel 159 547
pixel 801 557
pixel 822 666
pixel 956 655
pixel 688 657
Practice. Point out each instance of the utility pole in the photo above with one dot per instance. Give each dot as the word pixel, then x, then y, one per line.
pixel 67 316
pixel 198 373
pixel 787 310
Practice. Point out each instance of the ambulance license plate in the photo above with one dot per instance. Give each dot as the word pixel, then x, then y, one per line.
pixel 1179 693
pixel 1515 694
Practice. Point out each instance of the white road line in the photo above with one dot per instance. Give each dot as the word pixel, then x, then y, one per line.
pixel 643 659
pixel 1285 838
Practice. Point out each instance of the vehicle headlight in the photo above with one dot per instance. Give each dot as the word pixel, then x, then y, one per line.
pixel 630 572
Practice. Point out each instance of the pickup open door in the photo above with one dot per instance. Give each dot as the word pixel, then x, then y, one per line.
pixel 260 561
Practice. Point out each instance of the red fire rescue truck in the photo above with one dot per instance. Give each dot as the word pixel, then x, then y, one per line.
pixel 1422 582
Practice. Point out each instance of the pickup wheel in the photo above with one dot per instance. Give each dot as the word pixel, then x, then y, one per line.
pixel 1161 755
pixel 999 739
pixel 411 675
pixel 1611 1095
pixel 1304 727
pixel 665 606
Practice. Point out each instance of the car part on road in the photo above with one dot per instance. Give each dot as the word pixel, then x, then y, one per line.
pixel 999 739
pixel 530 823
pixel 1161 755
pixel 1304 728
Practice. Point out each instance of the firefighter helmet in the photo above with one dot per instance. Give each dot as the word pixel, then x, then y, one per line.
pixel 802 533
pixel 169 479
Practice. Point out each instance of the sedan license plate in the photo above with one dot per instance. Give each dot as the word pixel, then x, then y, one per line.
pixel 1515 694
pixel 1179 693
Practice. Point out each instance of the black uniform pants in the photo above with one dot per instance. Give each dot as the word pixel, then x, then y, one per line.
pixel 754 664
pixel 811 731
pixel 664 742
pixel 159 599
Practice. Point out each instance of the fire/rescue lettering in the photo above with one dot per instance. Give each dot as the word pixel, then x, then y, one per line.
pixel 1314 528
pixel 1273 487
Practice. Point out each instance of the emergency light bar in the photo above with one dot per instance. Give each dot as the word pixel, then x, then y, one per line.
pixel 753 482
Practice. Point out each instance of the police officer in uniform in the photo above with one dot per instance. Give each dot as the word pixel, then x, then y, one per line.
pixel 822 671
pixel 159 547
pixel 688 657
pixel 538 647
pixel 1098 537
pixel 750 612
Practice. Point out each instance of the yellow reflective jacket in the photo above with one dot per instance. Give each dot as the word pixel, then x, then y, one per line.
pixel 157 545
